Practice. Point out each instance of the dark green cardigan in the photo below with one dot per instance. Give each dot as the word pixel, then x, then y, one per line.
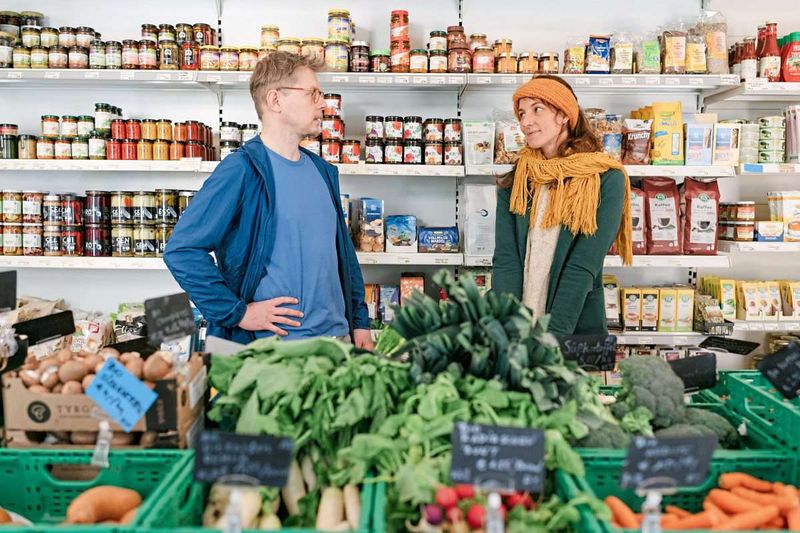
pixel 575 294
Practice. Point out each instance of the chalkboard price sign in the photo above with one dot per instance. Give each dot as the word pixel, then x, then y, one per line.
pixel 592 352
pixel 498 458
pixel 168 318
pixel 697 372
pixel 667 462
pixel 782 369
pixel 8 289
pixel 220 455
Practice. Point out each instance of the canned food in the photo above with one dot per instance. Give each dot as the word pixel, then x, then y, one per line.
pixel 765 156
pixel 775 121
pixel 772 145
pixel 765 134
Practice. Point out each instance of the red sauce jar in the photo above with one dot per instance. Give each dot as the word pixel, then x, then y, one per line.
pixel 331 150
pixel 181 132
pixel 194 149
pixel 118 128
pixel 113 149
pixel 190 56
pixel 97 241
pixel 133 129
pixel 176 150
pixel 72 240
pixel 193 132
pixel 71 209
pixel 332 128
pixel 129 149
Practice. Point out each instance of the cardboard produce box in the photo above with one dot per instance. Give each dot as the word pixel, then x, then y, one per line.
pixel 42 419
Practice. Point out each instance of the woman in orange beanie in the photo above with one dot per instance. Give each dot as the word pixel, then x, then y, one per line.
pixel 559 211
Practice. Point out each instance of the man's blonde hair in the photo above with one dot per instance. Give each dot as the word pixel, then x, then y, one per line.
pixel 273 71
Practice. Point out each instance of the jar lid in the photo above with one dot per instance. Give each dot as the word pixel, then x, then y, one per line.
pixel 502 41
pixel 289 40
pixel 413 119
pixel 434 121
pixel 351 141
pixel 130 42
pixel 332 95
pixel 12 224
pixel 340 12
pixel 394 142
pixel 374 118
pixel 44 117
pixel 44 139
pixel 81 138
pixel 230 143
pixel 528 55
pixel 314 41
pixel 35 14
pixel 374 141
pixel 159 120
pixel 413 142
pixel 96 193
pixel 393 118
pixel 399 12
pixel 8 126
pixel 209 47
pixel 131 120
pixel 478 36
pixel 434 143
pixel 9 14
pixel 69 117
pixel 452 121
pixel 66 29
pixel 249 126
pixel 251 49
pixel 379 52
pixel 57 49
pixel 148 26
pixel 438 52
pixel 484 49
pixel 330 141
pixel 361 43
pixel 187 193
pixel 337 41
pixel 419 51
pixel 506 55
pixel 229 125
pixel 97 42
pixel 26 137
pixel 8 136
pixel 30 28
pixel 84 29
pixel 202 25
pixel 20 47
pixel 270 28
pixel 166 27
pixel 452 143
pixel 229 49
pixel 452 29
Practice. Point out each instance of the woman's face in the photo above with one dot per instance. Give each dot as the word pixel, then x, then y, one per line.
pixel 544 127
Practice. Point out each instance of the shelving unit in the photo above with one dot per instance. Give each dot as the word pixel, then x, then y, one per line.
pixel 640 261
pixel 633 171
pixel 758 247
pixel 754 91
pixel 641 338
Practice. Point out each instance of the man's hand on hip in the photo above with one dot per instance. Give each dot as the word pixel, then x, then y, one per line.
pixel 362 338
pixel 266 315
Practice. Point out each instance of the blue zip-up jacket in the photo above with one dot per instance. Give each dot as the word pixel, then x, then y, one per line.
pixel 233 216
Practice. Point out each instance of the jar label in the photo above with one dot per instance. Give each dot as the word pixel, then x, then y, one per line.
pixel 97 59
pixel 70 244
pixel 437 43
pixel 413 155
pixel 121 213
pixel 452 156
pixel 50 128
pixel 12 207
pixel 412 131
pixel 122 245
pixel 12 239
pixel 394 154
pixel 374 130
pixel 433 154
pixel 51 243
pixel 375 154
pixel 63 150
pixel 94 247
pixel 144 213
pixel 419 63
pixel 31 208
pixel 97 148
pixel 434 132
pixel 70 129
pixel 145 246
pixel 394 129
pixel 32 240
pixel 438 64
pixel 769 67
pixel 148 58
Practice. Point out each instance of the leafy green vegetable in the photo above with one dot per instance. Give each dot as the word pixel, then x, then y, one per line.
pixel 649 382
pixel 389 340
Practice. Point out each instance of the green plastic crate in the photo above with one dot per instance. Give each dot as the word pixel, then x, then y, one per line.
pixel 180 507
pixel 28 487
pixel 604 467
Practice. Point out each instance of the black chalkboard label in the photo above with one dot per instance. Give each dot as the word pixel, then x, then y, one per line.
pixel 667 463
pixel 729 345
pixel 498 458
pixel 8 289
pixel 221 457
pixel 697 372
pixel 139 344
pixel 46 328
pixel 168 318
pixel 591 352
pixel 782 369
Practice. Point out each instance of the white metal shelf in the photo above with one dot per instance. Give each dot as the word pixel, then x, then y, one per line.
pixel 89 165
pixel 790 324
pixel 758 247
pixel 377 258
pixel 754 91
pixel 590 82
pixel 633 170
pixel 634 338
pixel 771 168
pixel 639 261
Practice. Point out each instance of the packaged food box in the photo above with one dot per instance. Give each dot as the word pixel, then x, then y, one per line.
pixel 611 296
pixel 765 299
pixel 401 234
pixel 372 298
pixel 370 235
pixel 747 305
pixel 438 240
pixel 727 298
pixel 174 420
pixel 776 302
pixel 726 144
pixel 769 231
pixel 410 283
pixel 668 309
pixel 667 134
pixel 671 354
pixel 650 309
pixel 684 318
pixel 791 297
pixel 698 144
pixel 632 309
pixel 479 142
pixel 389 296
pixel 479 217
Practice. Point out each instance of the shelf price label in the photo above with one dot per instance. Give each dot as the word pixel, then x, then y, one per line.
pixel 698 372
pixel 91 75
pixel 592 352
pixel 652 80
pixel 8 289
pixel 629 80
pixel 782 369
pixel 168 318
pixel 667 462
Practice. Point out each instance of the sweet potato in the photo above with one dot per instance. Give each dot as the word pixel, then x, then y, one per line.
pixel 102 503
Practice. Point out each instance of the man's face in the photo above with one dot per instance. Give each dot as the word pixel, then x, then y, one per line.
pixel 302 104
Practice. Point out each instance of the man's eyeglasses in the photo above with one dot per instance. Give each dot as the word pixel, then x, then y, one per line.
pixel 315 93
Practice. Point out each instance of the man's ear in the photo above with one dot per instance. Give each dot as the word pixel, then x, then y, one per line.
pixel 272 101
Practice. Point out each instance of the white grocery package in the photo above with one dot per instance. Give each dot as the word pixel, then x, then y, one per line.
pixel 478 142
pixel 480 207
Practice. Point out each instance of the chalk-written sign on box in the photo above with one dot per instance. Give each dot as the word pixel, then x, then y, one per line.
pixel 168 318
pixel 123 397
pixel 591 352
pixel 8 289
pixel 222 456
pixel 498 458
pixel 667 462
pixel 697 372
pixel 782 369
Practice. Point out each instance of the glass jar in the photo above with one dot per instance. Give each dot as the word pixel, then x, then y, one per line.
pixel 229 131
pixel 226 148
pixel 122 240
pixel 31 18
pixel 31 36
pixel 194 149
pixel 393 152
pixel 97 54
pixel 183 33
pixel 133 129
pixel 456 38
pixel 80 148
pixel 204 35
pixel 177 150
pixel 148 55
pixel 32 240
pixel 265 51
pixel 144 241
pixel 289 44
pixel 6 51
pixel 121 207
pixel 437 61
pixel 39 57
pixel 114 55
pixel 85 125
pixel 113 149
pixel 193 130
pixel 503 46
pixel 452 130
pixel 48 37
pixel 412 152
pixel 339 25
pixel 398 24
pixel 270 36
pixel 434 153
pixel 144 150
pixel 331 150
pixel 78 57
pixel 12 239
pixel 374 151
pixel 380 61
pixel 52 211
pixel 84 36
pixel 128 149
pixel 97 146
pixel 433 130
pixel 507 63
pixel 483 60
pixel 163 233
pixel 184 199
pixel 66 37
pixel 351 152
pixel 400 58
pixel 118 129
pixel 374 127
pixel 26 147
pixel 144 207
pixel 418 62
pixel 337 56
pixel 548 63
pixel 148 129
pixel 51 241
pixel 209 57
pixel 63 148
pixel 359 56
pixel 149 33
pixel 163 130
pixel 9 147
pixel 45 148
pixel 21 57
pixel 97 242
pixel 190 56
pixel 160 150
pixel 412 128
pixel 130 54
pixel 229 58
pixel 314 49
pixel 528 63
pixel 12 206
pixel 169 57
pixel 453 154
pixel 166 33
pixel 58 57
pixel 459 60
pixel 249 131
pixel 69 126
pixel 478 40
pixel 437 41
pixel 50 126
pixel 248 59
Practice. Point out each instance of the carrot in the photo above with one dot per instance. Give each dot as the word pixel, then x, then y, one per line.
pixel 668 520
pixel 749 519
pixel 782 502
pixel 789 493
pixel 129 516
pixel 621 512
pixel 703 520
pixel 793 519
pixel 639 518
pixel 674 509
pixel 102 503
pixel 740 479
pixel 731 503
pixel 776 523
pixel 708 505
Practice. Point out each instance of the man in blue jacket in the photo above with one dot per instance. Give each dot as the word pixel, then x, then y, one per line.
pixel 271 213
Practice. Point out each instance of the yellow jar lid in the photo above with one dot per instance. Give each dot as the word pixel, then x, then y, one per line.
pixel 209 47
pixel 31 14
pixel 267 49
pixel 270 28
pixel 318 42
pixel 229 49
pixel 339 13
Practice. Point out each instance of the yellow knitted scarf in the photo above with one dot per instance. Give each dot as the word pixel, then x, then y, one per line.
pixel 574 182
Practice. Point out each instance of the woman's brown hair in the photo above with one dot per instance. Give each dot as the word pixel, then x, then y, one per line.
pixel 581 138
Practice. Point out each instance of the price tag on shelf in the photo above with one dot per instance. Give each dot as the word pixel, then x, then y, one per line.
pixel 244 78
pixel 91 75
pixel 420 80
pixel 127 75
pixel 672 81
pixel 508 80
pixel 782 369
pixel 792 326
pixel 696 82
pixel 401 259
pixel 455 80
pixel 652 80
pixel 647 340
pixel 668 462
pixel 184 76
pixel 437 80
pixel 498 458
pixel 168 318
pixel 402 80
pixel 123 397
pixel 52 75
pixel 367 259
pixel 482 80
pixel 266 458
pixel 604 81
pixel 582 80
pixel 592 352
pixel 365 80
pixel 729 79
pixel 770 326
pixel 629 80
pixel 163 76
pixel 340 79
pixel 441 261
pixel 213 78
pixel 14 75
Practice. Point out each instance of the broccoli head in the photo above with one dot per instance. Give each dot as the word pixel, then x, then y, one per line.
pixel 649 382
pixel 684 430
pixel 609 435
pixel 724 430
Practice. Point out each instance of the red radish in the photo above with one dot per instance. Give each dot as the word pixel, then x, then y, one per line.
pixel 446 498
pixel 455 514
pixel 465 492
pixel 519 499
pixel 476 516
pixel 433 515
